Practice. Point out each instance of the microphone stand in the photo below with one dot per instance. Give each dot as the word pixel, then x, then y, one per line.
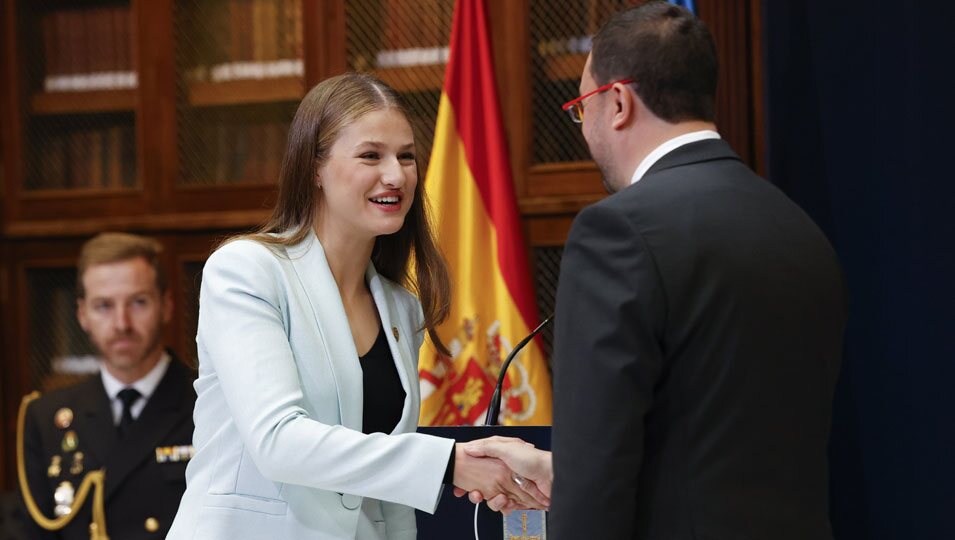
pixel 494 409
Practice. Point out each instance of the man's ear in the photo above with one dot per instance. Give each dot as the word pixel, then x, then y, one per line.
pixel 625 106
pixel 167 306
pixel 81 313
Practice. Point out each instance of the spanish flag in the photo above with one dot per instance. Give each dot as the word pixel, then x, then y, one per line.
pixel 479 230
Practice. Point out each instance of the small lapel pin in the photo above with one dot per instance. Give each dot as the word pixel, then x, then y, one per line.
pixel 394 331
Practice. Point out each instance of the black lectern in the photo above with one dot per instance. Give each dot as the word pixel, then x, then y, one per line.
pixel 455 517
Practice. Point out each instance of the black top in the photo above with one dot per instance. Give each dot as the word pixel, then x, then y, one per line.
pixel 384 396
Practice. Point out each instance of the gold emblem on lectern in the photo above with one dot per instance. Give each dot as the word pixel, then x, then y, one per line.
pixel 525 525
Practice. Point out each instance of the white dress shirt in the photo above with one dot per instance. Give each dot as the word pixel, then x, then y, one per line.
pixel 146 386
pixel 668 147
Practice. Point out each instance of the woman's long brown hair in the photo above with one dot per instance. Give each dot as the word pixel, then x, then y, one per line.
pixel 324 112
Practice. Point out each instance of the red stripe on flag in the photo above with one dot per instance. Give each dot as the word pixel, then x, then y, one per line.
pixel 471 90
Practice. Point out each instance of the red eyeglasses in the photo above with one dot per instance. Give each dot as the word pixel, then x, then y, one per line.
pixel 575 107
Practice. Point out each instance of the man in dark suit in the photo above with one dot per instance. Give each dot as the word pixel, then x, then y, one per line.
pixel 134 419
pixel 700 315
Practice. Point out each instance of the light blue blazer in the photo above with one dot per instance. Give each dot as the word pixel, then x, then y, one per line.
pixel 279 448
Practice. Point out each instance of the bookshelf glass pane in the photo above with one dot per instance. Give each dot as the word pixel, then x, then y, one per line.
pixel 96 151
pixel 546 272
pixel 240 76
pixel 78 78
pixel 405 44
pixel 560 36
pixel 60 352
pixel 191 280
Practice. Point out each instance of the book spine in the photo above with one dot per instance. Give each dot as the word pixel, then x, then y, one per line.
pixel 108 41
pixel 114 157
pixel 94 157
pixel 51 53
pixel 298 48
pixel 270 30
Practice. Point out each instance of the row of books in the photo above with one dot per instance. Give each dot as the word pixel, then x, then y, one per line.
pixel 233 153
pixel 570 18
pixel 414 24
pixel 562 46
pixel 90 158
pixel 418 56
pixel 235 71
pixel 389 34
pixel 88 49
pixel 242 39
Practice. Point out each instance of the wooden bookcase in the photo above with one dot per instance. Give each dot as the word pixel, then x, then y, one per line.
pixel 168 118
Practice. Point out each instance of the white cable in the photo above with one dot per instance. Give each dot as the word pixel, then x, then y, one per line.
pixel 476 507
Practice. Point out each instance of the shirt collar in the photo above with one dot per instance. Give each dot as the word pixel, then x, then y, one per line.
pixel 146 385
pixel 668 147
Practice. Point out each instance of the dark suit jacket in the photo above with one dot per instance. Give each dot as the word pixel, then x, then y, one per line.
pixel 138 486
pixel 700 317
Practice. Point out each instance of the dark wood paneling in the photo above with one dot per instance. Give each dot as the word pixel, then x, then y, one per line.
pixel 10 107
pixel 735 28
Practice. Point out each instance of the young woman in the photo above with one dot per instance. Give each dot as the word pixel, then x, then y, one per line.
pixel 307 391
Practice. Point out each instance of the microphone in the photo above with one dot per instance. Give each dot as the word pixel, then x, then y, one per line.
pixel 494 408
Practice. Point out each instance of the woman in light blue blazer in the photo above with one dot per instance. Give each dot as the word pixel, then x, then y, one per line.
pixel 308 344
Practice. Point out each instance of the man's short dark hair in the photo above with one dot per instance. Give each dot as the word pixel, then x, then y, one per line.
pixel 670 55
pixel 113 247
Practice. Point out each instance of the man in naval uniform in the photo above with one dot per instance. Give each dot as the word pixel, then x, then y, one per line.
pixel 134 419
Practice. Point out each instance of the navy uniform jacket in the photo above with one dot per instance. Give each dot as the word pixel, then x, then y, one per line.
pixel 144 482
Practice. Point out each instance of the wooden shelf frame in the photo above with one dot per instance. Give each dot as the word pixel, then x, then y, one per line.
pixel 246 91
pixel 86 102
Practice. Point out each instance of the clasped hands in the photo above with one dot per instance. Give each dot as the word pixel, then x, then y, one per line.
pixel 508 473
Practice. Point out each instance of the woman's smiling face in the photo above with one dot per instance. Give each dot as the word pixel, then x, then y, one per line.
pixel 368 181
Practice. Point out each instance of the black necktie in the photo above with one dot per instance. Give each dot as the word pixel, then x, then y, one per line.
pixel 128 396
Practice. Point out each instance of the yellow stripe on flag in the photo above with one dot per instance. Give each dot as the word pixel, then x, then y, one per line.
pixel 484 323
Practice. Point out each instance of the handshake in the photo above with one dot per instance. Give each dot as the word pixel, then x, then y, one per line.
pixel 508 473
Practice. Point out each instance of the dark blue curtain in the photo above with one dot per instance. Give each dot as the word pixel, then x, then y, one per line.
pixel 860 132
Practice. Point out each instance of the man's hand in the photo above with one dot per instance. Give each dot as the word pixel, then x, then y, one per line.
pixel 480 473
pixel 533 467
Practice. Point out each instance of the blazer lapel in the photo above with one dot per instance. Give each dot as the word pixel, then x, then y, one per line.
pixel 400 345
pixel 98 431
pixel 162 413
pixel 314 275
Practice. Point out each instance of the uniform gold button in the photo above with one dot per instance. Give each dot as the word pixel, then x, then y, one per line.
pixel 152 524
pixel 63 417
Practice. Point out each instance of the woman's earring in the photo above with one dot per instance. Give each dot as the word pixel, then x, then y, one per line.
pixel 319 184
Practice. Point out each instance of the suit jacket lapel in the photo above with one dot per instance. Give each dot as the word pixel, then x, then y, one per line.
pixel 311 267
pixel 98 431
pixel 162 413
pixel 400 347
